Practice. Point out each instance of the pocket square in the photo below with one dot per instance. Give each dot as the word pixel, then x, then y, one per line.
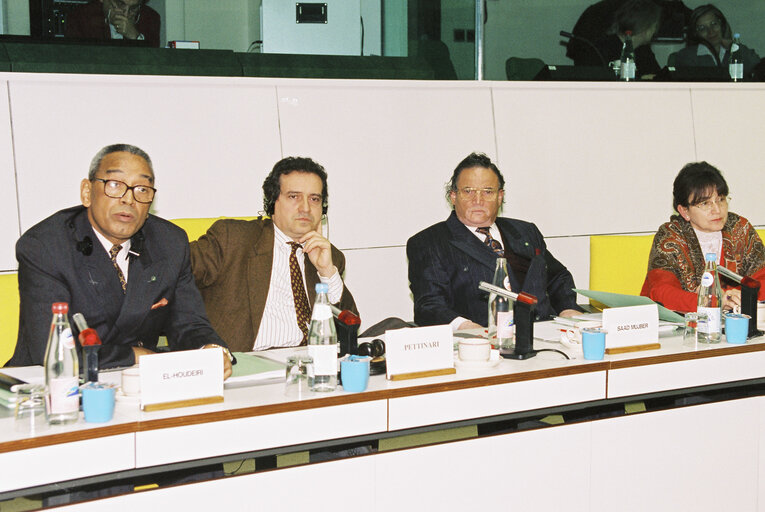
pixel 162 303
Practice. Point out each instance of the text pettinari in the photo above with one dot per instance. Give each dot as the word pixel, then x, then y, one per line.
pixel 422 345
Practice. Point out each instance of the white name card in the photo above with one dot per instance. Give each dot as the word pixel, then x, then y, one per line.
pixel 172 379
pixel 419 349
pixel 631 325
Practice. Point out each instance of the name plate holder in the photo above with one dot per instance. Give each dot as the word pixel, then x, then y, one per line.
pixel 419 352
pixel 181 379
pixel 631 328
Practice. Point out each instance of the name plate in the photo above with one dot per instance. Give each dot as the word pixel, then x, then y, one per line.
pixel 631 325
pixel 419 352
pixel 180 379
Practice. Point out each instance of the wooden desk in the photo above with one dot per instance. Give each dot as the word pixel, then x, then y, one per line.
pixel 581 466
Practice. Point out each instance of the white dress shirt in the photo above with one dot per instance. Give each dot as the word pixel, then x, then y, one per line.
pixel 279 327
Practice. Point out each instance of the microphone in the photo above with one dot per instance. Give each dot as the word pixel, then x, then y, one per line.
pixel 569 35
pixel 85 246
pixel 347 327
pixel 136 245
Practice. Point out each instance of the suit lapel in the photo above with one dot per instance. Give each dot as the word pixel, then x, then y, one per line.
pixel 465 241
pixel 99 274
pixel 259 272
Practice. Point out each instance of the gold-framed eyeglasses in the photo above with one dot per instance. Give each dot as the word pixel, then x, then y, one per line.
pixel 483 193
pixel 709 204
pixel 703 29
pixel 117 189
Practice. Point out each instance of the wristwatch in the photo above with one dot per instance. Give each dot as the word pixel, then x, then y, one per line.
pixel 225 351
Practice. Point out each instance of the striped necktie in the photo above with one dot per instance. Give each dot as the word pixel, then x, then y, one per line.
pixel 491 242
pixel 302 309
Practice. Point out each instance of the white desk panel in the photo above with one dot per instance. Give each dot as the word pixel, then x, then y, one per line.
pixel 420 410
pixel 175 444
pixel 700 458
pixel 377 278
pixel 343 485
pixel 542 470
pixel 9 228
pixel 58 462
pixel 388 148
pixel 592 158
pixel 685 374
pixel 212 141
pixel 727 121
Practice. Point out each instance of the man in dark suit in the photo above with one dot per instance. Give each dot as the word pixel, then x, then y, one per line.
pixel 253 274
pixel 449 259
pixel 104 20
pixel 126 271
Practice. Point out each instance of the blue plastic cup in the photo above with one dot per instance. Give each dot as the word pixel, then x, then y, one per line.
pixel 354 372
pixel 593 344
pixel 98 402
pixel 736 328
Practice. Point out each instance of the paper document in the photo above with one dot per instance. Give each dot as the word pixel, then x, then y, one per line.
pixel 618 300
pixel 253 369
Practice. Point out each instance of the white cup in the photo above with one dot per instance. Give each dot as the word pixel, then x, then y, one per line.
pixel 131 381
pixel 474 349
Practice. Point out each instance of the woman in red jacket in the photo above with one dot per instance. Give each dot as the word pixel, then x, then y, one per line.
pixel 703 225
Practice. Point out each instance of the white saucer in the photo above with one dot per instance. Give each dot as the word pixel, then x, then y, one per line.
pixel 128 399
pixel 477 365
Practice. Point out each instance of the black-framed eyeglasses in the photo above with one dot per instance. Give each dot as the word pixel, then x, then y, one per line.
pixel 117 189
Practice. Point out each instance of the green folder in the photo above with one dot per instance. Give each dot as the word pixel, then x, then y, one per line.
pixel 620 300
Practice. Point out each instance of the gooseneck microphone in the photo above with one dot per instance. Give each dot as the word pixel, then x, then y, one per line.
pixel 569 35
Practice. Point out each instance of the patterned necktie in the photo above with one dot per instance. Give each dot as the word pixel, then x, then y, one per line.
pixel 113 255
pixel 302 310
pixel 491 243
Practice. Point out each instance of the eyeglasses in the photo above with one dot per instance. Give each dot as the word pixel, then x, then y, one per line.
pixel 703 29
pixel 706 206
pixel 484 193
pixel 117 189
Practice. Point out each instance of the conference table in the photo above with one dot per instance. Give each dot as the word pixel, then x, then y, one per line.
pixel 697 442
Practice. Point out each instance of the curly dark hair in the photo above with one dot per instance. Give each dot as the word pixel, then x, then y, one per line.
pixel 272 183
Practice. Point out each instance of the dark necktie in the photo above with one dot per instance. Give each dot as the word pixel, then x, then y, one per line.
pixel 302 310
pixel 491 243
pixel 113 255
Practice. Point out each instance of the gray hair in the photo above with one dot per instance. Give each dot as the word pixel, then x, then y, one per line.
pixel 115 148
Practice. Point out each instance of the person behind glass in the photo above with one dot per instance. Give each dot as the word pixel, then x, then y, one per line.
pixel 105 20
pixel 128 272
pixel 708 40
pixel 641 17
pixel 448 260
pixel 702 225
pixel 254 275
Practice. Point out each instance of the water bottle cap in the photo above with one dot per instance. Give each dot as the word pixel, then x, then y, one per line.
pixel 628 33
pixel 322 288
pixel 736 35
pixel 60 307
pixel 710 256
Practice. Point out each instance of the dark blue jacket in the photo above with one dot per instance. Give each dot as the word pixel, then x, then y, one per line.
pixel 447 261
